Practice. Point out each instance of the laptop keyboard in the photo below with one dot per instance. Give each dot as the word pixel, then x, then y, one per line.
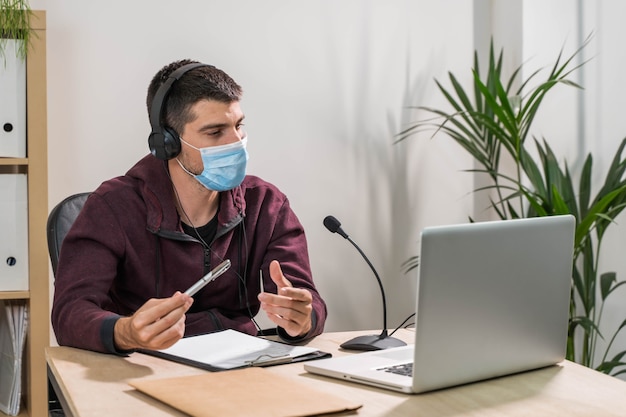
pixel 405 369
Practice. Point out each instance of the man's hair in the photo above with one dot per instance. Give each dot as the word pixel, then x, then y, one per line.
pixel 201 83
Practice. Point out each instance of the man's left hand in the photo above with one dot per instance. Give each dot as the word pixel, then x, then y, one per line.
pixel 291 307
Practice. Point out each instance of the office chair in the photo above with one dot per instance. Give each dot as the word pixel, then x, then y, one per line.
pixel 60 220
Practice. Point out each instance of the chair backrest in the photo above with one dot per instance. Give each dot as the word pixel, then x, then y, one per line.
pixel 60 221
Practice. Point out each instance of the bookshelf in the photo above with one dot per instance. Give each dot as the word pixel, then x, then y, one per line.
pixel 35 165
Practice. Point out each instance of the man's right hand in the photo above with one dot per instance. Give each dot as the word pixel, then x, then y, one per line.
pixel 158 324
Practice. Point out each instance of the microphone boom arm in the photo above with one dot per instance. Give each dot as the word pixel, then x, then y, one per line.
pixel 367 342
pixel 380 284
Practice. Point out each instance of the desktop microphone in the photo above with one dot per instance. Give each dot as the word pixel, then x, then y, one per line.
pixel 370 342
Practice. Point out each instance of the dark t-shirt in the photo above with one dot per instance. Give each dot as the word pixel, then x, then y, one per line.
pixel 204 233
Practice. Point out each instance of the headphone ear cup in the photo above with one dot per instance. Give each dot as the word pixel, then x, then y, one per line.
pixel 171 142
pixel 164 145
pixel 164 141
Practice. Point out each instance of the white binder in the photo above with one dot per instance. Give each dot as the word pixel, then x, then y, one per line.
pixel 12 103
pixel 14 232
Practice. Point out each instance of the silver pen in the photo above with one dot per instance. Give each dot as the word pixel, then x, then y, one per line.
pixel 261 280
pixel 216 272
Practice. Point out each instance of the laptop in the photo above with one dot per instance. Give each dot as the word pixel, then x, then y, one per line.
pixel 492 300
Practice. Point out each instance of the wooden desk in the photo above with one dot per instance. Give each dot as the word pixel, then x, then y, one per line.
pixel 95 385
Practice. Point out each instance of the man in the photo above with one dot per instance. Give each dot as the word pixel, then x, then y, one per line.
pixel 143 238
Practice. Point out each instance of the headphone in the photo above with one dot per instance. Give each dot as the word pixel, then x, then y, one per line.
pixel 164 142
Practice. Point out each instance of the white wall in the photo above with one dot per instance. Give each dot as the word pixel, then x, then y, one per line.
pixel 577 122
pixel 327 86
pixel 605 129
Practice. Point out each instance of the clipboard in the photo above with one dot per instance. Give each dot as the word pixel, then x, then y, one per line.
pixel 231 349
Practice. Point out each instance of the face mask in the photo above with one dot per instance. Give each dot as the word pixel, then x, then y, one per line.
pixel 224 166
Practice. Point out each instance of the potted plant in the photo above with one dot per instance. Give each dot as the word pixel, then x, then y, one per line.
pixel 15 27
pixel 492 123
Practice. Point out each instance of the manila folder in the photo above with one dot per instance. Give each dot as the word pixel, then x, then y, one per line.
pixel 242 392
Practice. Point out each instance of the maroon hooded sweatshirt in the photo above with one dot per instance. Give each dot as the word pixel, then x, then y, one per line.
pixel 127 246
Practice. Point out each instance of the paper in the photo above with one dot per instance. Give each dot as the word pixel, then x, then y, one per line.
pixel 230 349
pixel 13 327
pixel 245 392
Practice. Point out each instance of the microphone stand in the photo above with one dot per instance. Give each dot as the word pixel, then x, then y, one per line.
pixel 373 342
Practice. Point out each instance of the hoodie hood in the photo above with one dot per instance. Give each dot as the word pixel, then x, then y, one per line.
pixel 153 179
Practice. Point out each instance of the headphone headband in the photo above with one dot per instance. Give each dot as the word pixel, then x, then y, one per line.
pixel 164 141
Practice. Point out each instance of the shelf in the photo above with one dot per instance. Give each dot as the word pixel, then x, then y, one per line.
pixel 35 166
pixel 14 295
pixel 23 413
pixel 13 161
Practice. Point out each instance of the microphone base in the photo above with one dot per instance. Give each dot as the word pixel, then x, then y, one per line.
pixel 372 342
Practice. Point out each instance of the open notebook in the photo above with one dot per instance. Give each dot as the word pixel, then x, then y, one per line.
pixel 230 349
pixel 492 300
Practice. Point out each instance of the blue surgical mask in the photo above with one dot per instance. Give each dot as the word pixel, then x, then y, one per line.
pixel 224 166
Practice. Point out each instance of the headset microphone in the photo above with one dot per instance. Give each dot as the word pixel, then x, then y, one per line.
pixel 370 342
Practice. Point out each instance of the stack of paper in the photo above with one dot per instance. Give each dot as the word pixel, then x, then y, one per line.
pixel 13 326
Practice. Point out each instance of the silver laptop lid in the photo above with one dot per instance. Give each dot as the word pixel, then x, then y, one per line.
pixel 493 299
